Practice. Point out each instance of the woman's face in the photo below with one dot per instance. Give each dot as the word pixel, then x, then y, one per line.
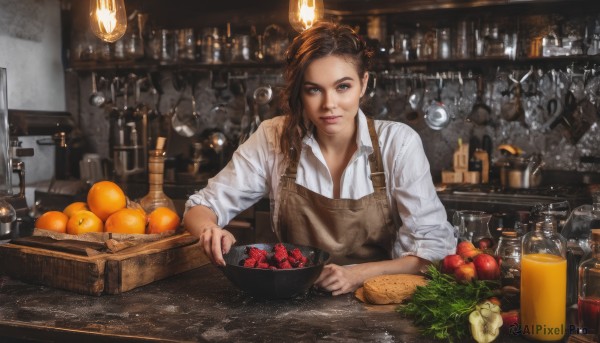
pixel 331 94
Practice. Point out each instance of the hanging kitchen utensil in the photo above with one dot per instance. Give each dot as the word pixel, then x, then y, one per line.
pixel 513 109
pixel 183 124
pixel 438 115
pixel 262 96
pixel 462 104
pixel 554 107
pixel 578 118
pixel 416 96
pixel 96 98
pixel 414 117
pixel 480 113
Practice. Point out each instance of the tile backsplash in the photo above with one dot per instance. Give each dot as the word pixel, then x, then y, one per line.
pixel 222 103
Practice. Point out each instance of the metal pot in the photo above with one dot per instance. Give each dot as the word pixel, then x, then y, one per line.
pixel 521 172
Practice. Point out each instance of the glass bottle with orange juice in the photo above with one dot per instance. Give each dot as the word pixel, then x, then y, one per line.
pixel 544 283
pixel 588 304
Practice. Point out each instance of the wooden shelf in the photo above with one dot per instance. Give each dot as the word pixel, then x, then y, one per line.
pixel 150 65
pixel 481 65
pixel 474 64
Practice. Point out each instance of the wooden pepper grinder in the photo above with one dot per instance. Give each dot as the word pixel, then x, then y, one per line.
pixel 156 170
pixel 482 155
pixel 461 157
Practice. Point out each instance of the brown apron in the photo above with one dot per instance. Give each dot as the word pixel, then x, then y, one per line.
pixel 351 230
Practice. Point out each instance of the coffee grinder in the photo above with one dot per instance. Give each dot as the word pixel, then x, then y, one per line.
pixel 128 135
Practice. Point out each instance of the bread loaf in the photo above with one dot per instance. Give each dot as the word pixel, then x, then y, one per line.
pixel 360 294
pixel 391 289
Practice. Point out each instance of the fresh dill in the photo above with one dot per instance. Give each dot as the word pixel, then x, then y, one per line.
pixel 441 308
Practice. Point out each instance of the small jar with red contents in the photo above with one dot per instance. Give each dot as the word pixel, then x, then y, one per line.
pixel 588 303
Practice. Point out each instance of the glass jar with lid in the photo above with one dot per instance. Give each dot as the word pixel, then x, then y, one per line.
pixel 508 253
pixel 577 231
pixel 444 43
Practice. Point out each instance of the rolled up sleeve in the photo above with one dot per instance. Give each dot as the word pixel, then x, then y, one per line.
pixel 425 231
pixel 239 185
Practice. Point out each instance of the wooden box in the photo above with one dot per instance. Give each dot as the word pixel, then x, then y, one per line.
pixel 103 273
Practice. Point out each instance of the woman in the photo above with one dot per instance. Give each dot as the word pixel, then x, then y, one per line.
pixel 357 188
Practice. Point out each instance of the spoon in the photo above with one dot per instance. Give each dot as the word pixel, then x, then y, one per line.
pixel 415 97
pixel 96 98
pixel 480 113
pixel 182 126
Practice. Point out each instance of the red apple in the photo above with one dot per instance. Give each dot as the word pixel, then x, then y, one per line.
pixel 485 243
pixel 486 266
pixel 465 273
pixel 451 262
pixel 510 320
pixel 466 250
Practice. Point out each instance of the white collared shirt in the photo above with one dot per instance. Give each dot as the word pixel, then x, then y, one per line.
pixel 256 167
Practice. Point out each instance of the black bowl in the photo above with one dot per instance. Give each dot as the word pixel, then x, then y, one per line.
pixel 278 283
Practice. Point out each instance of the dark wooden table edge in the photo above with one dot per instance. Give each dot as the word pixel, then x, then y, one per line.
pixel 39 333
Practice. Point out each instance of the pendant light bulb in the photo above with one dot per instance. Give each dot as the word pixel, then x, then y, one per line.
pixel 108 19
pixel 305 13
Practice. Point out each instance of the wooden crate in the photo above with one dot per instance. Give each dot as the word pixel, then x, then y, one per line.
pixel 105 273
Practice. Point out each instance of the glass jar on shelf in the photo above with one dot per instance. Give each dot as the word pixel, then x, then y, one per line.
pixel 588 302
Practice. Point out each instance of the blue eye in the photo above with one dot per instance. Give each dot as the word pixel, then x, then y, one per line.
pixel 343 86
pixel 312 90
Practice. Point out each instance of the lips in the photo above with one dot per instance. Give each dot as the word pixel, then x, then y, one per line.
pixel 330 119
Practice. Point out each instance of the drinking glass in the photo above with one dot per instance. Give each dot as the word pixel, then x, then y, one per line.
pixel 473 226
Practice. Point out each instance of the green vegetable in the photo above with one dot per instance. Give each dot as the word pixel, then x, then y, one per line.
pixel 441 308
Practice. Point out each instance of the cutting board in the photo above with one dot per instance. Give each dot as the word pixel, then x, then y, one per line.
pixel 71 266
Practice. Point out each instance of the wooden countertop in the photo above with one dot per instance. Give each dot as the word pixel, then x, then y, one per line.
pixel 199 305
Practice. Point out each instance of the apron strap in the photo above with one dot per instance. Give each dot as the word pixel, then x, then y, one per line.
pixel 375 162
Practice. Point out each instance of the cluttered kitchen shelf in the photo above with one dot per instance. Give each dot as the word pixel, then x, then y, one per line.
pixel 475 64
pixel 151 65
pixel 485 63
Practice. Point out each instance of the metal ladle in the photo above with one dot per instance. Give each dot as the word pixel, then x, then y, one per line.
pixel 96 98
pixel 480 113
pixel 183 126
pixel 262 96
pixel 438 115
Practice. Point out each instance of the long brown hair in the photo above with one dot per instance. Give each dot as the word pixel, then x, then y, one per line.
pixel 321 40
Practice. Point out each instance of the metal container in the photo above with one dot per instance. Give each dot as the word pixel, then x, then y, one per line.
pixel 8 216
pixel 521 172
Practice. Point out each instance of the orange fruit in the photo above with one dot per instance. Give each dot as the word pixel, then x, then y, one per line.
pixel 83 222
pixel 162 219
pixel 126 220
pixel 106 198
pixel 53 221
pixel 75 207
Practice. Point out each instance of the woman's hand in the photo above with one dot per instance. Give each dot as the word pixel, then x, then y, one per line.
pixel 201 221
pixel 216 242
pixel 339 280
